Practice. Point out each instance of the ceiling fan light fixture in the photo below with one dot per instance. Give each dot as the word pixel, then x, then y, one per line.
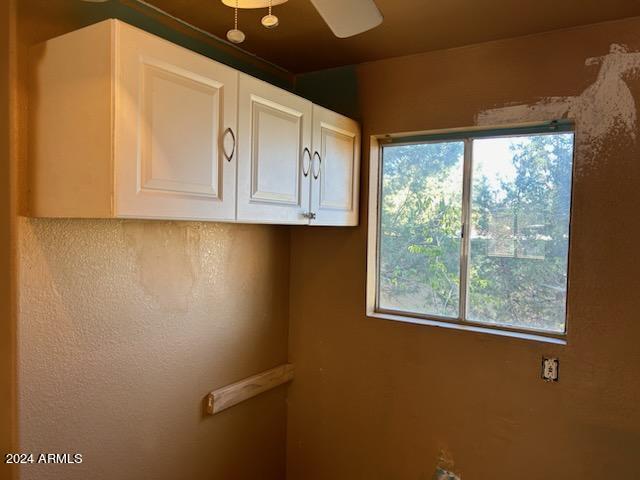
pixel 252 4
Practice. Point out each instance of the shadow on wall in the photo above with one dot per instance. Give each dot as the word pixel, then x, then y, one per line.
pixel 342 97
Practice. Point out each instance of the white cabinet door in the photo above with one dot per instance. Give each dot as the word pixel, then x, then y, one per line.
pixel 175 128
pixel 335 169
pixel 274 154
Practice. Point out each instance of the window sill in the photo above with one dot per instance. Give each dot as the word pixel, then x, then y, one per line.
pixel 536 337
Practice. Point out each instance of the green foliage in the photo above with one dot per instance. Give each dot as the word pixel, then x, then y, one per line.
pixel 420 227
pixel 519 238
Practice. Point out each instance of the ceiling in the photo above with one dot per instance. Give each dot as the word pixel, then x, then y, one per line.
pixel 303 42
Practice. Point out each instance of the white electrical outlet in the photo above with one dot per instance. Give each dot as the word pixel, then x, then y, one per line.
pixel 550 368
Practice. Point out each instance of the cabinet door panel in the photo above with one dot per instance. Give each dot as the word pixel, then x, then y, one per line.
pixel 173 108
pixel 179 121
pixel 275 128
pixel 274 153
pixel 335 169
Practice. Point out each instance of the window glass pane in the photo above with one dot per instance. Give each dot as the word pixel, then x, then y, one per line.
pixel 420 220
pixel 521 198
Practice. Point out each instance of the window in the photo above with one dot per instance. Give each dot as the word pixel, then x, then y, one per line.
pixel 473 229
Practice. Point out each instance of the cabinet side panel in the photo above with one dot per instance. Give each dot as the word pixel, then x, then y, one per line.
pixel 70 137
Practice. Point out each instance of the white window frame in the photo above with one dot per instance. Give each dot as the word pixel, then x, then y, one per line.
pixel 376 147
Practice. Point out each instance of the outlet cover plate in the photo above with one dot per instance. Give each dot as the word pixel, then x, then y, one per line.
pixel 550 369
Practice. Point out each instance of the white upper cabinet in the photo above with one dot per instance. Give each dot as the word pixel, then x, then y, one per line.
pixel 125 124
pixel 175 127
pixel 298 163
pixel 335 169
pixel 129 125
pixel 274 158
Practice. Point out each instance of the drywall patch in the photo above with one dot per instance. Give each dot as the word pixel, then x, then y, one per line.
pixel 167 260
pixel 606 109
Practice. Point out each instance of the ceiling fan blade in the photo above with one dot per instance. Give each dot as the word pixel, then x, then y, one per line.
pixel 349 17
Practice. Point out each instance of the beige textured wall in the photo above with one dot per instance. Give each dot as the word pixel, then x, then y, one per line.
pixel 376 399
pixel 125 326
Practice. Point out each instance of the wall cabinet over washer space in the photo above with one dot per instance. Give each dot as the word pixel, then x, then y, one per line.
pixel 125 124
pixel 298 162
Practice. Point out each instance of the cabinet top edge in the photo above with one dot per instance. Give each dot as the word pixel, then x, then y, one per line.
pixel 115 26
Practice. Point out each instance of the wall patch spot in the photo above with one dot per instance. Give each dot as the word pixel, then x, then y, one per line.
pixel 167 260
pixel 607 107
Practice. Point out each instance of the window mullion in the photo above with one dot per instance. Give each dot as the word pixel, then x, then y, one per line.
pixel 466 228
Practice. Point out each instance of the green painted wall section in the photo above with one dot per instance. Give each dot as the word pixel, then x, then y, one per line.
pixel 335 88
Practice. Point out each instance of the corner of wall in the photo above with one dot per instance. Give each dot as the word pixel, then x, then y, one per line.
pixel 334 88
pixel 8 432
